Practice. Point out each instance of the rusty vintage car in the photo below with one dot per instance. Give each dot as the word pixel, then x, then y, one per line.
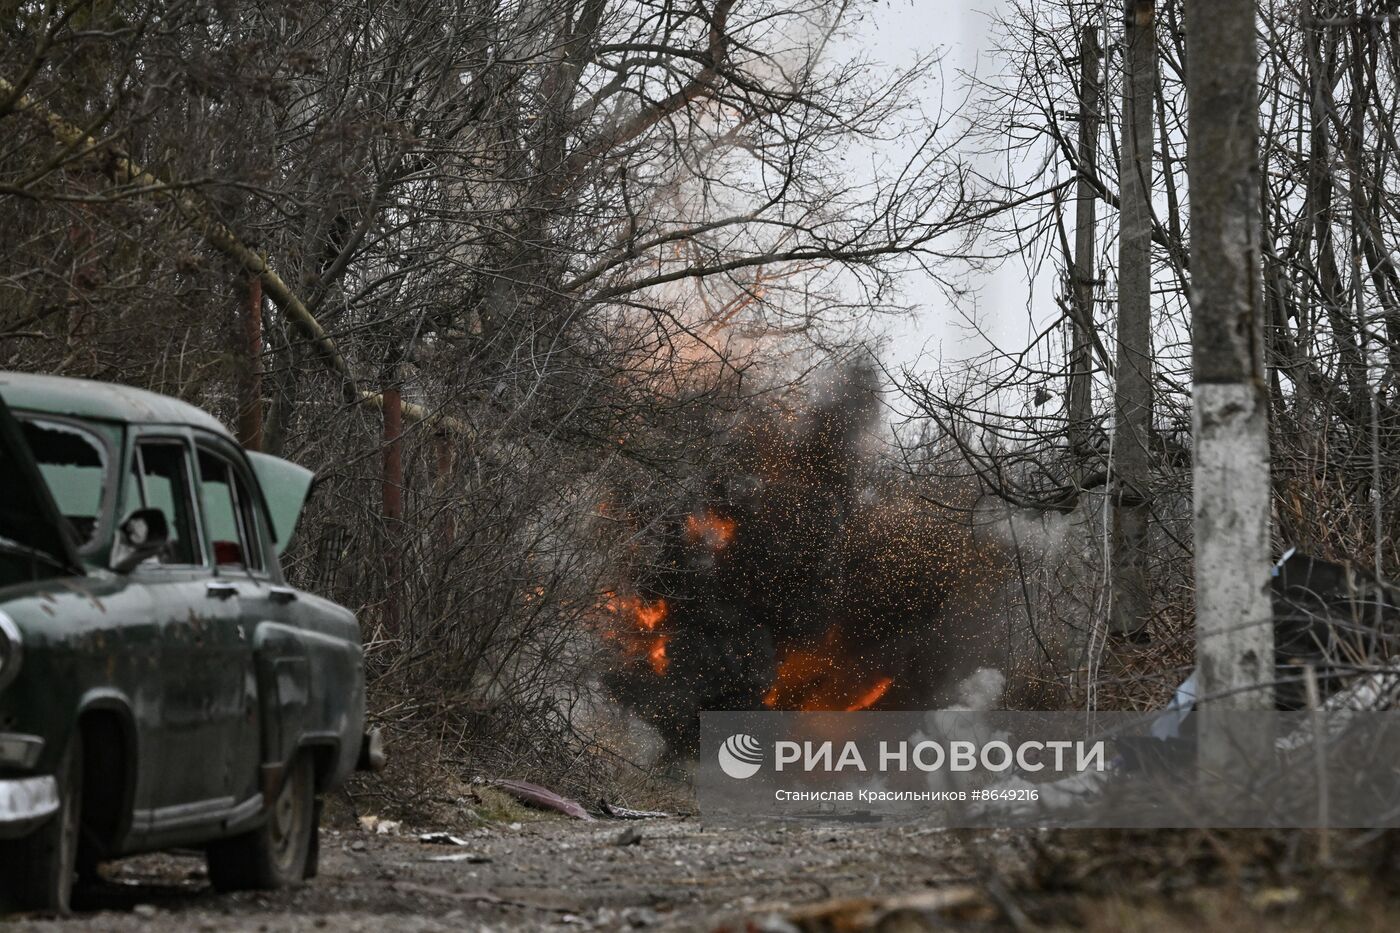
pixel 160 683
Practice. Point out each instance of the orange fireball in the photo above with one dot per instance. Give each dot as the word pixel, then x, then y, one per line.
pixel 713 530
pixel 657 656
pixel 637 633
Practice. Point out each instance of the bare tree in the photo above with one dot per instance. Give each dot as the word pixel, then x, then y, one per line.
pixel 517 261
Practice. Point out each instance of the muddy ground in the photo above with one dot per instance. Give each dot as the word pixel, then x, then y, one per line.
pixel 549 873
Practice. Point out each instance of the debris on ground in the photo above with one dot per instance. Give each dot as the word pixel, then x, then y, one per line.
pixel 441 839
pixel 542 797
pixel 630 836
pixel 471 858
pixel 380 827
pixel 625 813
pixel 925 910
pixel 800 878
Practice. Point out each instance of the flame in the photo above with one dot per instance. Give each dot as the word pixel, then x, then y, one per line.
pixel 801 675
pixel 636 638
pixel 810 678
pixel 871 696
pixel 822 677
pixel 657 656
pixel 715 531
pixel 649 615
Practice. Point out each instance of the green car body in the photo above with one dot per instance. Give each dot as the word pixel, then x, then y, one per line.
pixel 192 679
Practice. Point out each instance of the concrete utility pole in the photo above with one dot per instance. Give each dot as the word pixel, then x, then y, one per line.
pixel 1082 271
pixel 1132 396
pixel 1234 613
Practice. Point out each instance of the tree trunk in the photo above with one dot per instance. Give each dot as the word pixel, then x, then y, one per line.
pixel 443 454
pixel 393 505
pixel 1234 622
pixel 250 403
pixel 1082 274
pixel 1131 606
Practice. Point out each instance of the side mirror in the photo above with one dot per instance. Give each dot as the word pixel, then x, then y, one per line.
pixel 143 535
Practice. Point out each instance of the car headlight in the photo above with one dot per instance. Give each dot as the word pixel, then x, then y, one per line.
pixel 11 650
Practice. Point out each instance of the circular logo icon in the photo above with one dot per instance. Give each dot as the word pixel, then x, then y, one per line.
pixel 740 756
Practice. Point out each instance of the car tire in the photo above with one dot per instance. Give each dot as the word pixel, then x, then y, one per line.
pixel 275 854
pixel 37 872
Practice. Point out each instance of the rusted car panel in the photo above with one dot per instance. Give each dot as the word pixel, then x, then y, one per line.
pixel 148 626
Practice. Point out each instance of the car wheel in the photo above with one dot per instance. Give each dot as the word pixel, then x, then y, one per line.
pixel 37 872
pixel 275 854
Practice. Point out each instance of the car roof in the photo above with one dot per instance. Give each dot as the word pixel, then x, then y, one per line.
pixel 86 398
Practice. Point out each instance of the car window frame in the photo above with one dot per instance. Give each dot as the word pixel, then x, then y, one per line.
pixel 233 456
pixel 108 435
pixel 165 434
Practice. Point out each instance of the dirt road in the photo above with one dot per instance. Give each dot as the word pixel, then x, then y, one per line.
pixel 549 873
pixel 678 874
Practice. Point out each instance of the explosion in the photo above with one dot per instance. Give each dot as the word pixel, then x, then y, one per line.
pixel 635 629
pixel 820 678
pixel 810 576
pixel 714 531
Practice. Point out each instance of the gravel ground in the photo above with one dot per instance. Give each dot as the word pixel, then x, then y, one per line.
pixel 560 874
pixel 657 874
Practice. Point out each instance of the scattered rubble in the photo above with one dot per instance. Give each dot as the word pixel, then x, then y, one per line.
pixel 378 826
pixel 624 813
pixel 441 839
pixel 630 836
pixel 925 910
pixel 564 873
pixel 469 857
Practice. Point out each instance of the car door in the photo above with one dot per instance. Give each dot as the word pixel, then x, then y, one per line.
pixel 110 620
pixel 201 702
pixel 234 537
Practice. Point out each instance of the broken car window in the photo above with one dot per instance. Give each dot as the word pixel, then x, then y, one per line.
pixel 161 469
pixel 74 465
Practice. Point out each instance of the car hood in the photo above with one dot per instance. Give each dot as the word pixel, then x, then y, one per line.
pixel 28 516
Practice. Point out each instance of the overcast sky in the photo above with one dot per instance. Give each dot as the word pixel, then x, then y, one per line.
pixel 895 32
